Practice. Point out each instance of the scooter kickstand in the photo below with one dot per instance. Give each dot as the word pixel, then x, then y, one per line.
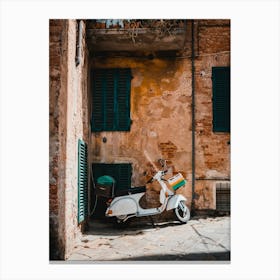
pixel 153 224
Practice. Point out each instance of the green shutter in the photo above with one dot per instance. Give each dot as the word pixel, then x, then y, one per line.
pixel 221 99
pixel 123 101
pixel 109 102
pixel 98 83
pixel 111 99
pixel 121 172
pixel 82 181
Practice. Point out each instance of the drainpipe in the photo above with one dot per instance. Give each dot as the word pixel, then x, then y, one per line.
pixel 193 119
pixel 79 46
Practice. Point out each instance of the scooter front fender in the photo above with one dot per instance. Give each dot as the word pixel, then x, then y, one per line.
pixel 174 201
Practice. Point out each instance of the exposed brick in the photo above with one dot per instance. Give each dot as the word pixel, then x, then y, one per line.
pixel 55 60
pixel 55 51
pixel 56 22
pixel 53 189
pixel 214 22
pixel 214 40
pixel 168 149
pixel 55 63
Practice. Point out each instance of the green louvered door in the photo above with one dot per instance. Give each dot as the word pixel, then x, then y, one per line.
pixel 221 99
pixel 121 172
pixel 82 181
pixel 111 99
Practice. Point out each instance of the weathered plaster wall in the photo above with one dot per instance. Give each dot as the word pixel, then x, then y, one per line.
pixel 77 127
pixel 161 119
pixel 68 122
pixel 212 149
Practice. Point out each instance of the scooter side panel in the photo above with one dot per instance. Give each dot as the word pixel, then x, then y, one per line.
pixel 125 205
pixel 174 201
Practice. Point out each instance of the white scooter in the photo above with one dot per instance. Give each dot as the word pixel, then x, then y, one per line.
pixel 125 207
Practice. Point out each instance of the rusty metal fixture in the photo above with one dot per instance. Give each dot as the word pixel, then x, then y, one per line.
pixel 162 27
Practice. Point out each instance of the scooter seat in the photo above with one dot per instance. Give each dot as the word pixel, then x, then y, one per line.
pixel 137 190
pixel 131 191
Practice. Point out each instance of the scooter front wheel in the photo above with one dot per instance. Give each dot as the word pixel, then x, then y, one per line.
pixel 182 212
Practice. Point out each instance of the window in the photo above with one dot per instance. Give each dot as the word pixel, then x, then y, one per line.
pixel 221 99
pixel 82 181
pixel 111 99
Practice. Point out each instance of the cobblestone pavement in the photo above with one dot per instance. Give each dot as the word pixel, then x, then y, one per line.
pixel 198 240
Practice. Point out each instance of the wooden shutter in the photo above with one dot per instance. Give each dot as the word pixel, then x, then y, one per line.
pixel 221 99
pixel 98 97
pixel 82 181
pixel 111 100
pixel 123 99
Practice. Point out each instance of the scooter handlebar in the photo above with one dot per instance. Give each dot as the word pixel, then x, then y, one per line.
pixel 163 172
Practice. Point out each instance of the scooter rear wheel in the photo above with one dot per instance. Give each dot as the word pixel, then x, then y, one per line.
pixel 182 212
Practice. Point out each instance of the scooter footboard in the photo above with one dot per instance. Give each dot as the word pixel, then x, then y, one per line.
pixel 174 201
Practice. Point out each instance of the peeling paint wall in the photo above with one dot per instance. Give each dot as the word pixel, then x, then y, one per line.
pixel 161 118
pixel 77 128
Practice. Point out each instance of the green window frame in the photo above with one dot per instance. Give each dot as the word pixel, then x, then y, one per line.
pixel 111 99
pixel 221 99
pixel 82 181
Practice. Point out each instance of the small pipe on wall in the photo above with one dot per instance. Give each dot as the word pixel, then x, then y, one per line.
pixel 193 117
